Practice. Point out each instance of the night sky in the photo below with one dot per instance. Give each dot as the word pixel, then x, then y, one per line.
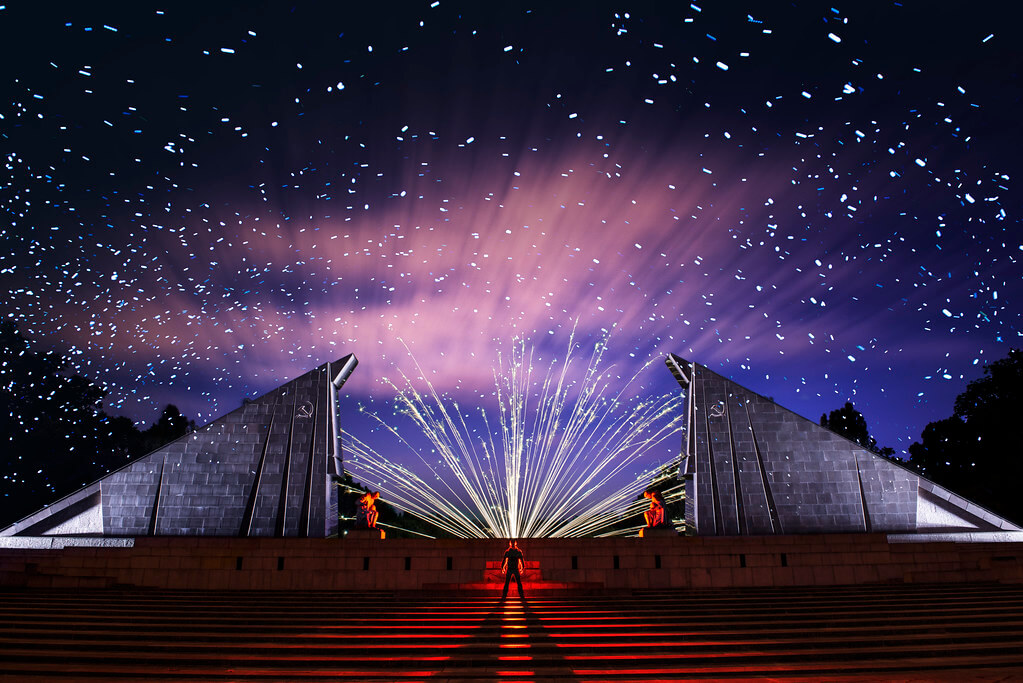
pixel 819 202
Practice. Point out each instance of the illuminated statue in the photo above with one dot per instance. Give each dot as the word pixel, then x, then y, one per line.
pixel 655 514
pixel 366 517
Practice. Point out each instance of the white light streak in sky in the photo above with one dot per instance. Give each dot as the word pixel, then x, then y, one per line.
pixel 566 453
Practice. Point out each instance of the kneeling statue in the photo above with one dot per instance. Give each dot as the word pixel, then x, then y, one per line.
pixel 366 517
pixel 655 515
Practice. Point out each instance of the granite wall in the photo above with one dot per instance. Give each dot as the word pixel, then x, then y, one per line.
pixel 756 468
pixel 268 468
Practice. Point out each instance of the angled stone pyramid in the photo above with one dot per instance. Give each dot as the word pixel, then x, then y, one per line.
pixel 753 467
pixel 268 468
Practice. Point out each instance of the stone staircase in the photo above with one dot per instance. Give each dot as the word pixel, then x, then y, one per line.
pixel 930 632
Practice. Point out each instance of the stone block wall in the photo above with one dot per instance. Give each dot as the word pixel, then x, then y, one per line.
pixel 757 468
pixel 422 564
pixel 264 469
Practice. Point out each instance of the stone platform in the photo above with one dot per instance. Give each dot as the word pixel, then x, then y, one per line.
pixel 612 564
pixel 533 583
pixel 365 534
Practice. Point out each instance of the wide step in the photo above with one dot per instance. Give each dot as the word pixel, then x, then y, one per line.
pixel 918 632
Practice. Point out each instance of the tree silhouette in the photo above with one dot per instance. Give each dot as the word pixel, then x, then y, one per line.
pixel 50 422
pixel 851 424
pixel 54 433
pixel 976 451
pixel 171 425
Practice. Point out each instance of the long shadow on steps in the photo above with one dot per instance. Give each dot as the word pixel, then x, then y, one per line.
pixel 523 649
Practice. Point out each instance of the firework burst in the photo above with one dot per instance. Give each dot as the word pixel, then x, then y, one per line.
pixel 564 454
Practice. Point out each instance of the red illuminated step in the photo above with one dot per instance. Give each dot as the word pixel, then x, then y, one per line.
pixel 937 632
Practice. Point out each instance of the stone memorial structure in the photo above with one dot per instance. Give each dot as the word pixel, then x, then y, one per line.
pixel 752 467
pixel 226 509
pixel 269 468
pixel 273 468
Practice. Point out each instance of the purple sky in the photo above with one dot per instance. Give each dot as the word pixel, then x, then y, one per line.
pixel 818 203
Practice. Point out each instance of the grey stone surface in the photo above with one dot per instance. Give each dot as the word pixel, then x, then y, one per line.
pixel 58 542
pixel 260 470
pixel 758 468
pixel 960 537
pixel 756 505
pixel 722 466
pixel 703 496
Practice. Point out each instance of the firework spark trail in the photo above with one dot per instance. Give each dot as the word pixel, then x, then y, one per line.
pixel 623 445
pixel 561 462
pixel 441 432
pixel 587 434
pixel 415 495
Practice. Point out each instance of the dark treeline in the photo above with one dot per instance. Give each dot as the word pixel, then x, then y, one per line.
pixel 55 433
pixel 976 451
pixel 848 422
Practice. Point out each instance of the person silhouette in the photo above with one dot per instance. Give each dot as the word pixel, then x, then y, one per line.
pixel 514 563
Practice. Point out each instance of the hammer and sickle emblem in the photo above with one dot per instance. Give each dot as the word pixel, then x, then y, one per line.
pixel 718 410
pixel 305 410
